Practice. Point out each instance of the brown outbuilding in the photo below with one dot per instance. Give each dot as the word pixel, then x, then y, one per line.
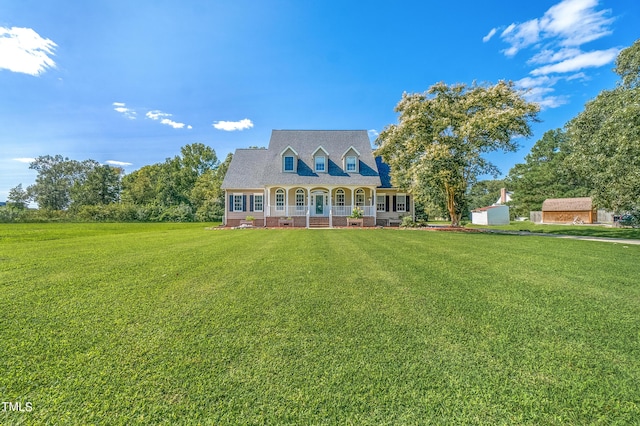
pixel 568 210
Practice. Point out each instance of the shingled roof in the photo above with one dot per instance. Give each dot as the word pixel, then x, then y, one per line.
pixel 567 204
pixel 257 168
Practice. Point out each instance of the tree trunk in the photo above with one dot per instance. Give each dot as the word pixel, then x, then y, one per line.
pixel 451 205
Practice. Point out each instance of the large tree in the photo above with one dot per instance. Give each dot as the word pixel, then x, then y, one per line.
pixel 100 186
pixel 18 197
pixel 436 149
pixel 604 139
pixel 544 174
pixel 171 183
pixel 56 177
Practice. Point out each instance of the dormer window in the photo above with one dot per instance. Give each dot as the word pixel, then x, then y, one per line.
pixel 351 163
pixel 350 160
pixel 289 160
pixel 288 163
pixel 320 159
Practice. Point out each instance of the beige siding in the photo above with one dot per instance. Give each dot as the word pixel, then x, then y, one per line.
pixel 247 207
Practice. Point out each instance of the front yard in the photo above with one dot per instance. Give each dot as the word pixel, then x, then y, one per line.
pixel 175 324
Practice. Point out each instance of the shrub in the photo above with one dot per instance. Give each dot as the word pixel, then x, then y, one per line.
pixel 407 222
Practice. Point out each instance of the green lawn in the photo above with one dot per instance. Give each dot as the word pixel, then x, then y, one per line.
pixel 174 324
pixel 584 230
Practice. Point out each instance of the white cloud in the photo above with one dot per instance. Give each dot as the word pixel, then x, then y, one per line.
pixel 577 22
pixel 172 123
pixel 540 89
pixel 593 59
pixel 118 163
pixel 23 50
pixel 373 133
pixel 163 117
pixel 230 126
pixel 24 160
pixel 157 115
pixel 122 109
pixel 490 35
pixel 554 43
pixel 569 23
pixel 547 56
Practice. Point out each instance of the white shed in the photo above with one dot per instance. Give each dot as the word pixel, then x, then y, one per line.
pixel 492 215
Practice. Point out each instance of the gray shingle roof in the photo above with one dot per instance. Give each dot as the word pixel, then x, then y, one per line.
pixel 245 169
pixel 259 168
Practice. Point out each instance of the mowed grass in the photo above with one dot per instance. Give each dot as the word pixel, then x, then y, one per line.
pixel 575 230
pixel 174 324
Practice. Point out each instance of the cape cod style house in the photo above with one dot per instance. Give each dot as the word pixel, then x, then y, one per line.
pixel 308 178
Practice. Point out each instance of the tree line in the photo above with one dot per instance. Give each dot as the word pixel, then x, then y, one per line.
pixel 184 188
pixel 436 149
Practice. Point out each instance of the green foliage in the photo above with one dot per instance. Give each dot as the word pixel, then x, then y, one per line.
pixel 18 197
pixel 356 213
pixel 169 323
pixel 56 176
pixel 436 149
pixel 484 193
pixel 182 189
pixel 546 173
pixel 407 222
pixel 628 65
pixel 100 186
pixel 604 139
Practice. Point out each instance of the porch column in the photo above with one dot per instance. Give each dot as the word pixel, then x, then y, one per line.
pixel 352 198
pixel 308 205
pixel 374 206
pixel 268 197
pixel 286 202
pixel 330 209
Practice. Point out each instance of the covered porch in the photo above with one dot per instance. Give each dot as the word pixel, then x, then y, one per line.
pixel 335 204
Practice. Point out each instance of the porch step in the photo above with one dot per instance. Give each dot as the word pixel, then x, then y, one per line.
pixel 318 222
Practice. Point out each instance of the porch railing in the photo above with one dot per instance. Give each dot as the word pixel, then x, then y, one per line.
pixel 348 210
pixel 290 211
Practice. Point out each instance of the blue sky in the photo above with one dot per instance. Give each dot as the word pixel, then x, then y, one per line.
pixel 130 82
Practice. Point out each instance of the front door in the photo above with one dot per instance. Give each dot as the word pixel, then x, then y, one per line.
pixel 319 204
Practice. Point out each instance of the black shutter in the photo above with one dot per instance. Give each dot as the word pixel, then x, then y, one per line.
pixel 408 205
pixel 386 203
pixel 244 203
pixel 251 203
pixel 230 203
pixel 394 203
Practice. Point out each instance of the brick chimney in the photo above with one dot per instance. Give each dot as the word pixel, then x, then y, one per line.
pixel 503 196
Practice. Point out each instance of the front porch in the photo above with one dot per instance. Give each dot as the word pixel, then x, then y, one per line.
pixel 319 206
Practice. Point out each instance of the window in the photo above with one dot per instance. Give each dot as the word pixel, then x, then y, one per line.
pixel 359 198
pixel 320 164
pixel 381 203
pixel 280 199
pixel 300 198
pixel 351 164
pixel 288 163
pixel 401 203
pixel 258 202
pixel 237 203
pixel 340 197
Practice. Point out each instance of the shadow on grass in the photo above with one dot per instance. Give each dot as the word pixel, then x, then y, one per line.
pixel 573 230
